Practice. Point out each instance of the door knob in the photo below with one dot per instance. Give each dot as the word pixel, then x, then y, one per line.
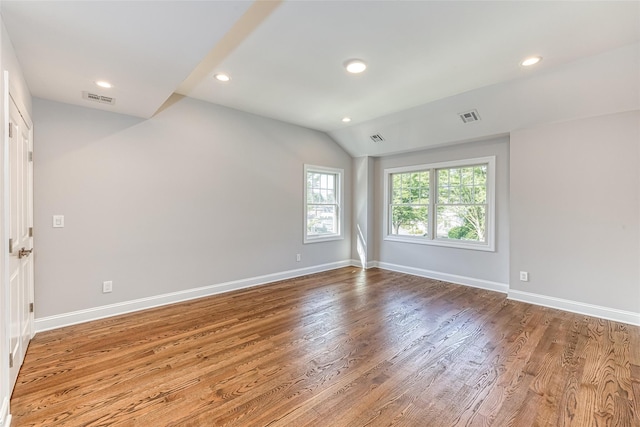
pixel 24 252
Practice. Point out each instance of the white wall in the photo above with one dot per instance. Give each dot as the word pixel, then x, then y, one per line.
pixel 478 268
pixel 197 195
pixel 17 84
pixel 575 212
pixel 20 92
pixel 363 242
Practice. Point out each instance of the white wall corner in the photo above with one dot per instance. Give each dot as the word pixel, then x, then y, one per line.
pixel 87 315
pixel 358 263
pixel 372 264
pixel 447 277
pixel 576 307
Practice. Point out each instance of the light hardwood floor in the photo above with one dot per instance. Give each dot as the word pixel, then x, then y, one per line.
pixel 341 348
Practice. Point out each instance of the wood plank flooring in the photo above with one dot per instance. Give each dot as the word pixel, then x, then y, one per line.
pixel 341 348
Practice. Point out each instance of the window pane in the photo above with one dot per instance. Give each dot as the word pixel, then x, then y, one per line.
pixel 424 179
pixel 443 194
pixel 443 177
pixel 454 177
pixel 321 220
pixel 480 175
pixel 480 195
pixel 323 181
pixel 424 195
pixel 466 194
pixel 409 220
pixel 414 195
pixel 397 196
pixel 331 196
pixel 331 179
pixel 461 223
pixel 467 176
pixel 454 194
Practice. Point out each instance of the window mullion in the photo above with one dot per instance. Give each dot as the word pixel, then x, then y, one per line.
pixel 433 185
pixel 389 207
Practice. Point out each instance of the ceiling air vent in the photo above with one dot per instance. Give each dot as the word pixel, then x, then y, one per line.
pixel 470 116
pixel 98 98
pixel 377 138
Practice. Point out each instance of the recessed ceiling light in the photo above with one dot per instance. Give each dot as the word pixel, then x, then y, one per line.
pixel 531 61
pixel 222 77
pixel 346 119
pixel 104 84
pixel 355 66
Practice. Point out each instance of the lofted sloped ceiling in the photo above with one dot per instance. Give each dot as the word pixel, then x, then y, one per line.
pixel 427 61
pixel 144 48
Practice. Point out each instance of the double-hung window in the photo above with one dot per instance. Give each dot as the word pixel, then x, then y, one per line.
pixel 444 204
pixel 323 203
pixel 410 203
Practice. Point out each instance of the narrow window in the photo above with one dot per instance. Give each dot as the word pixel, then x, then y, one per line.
pixel 323 203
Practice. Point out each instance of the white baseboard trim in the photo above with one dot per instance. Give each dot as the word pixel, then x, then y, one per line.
pixel 358 263
pixel 5 416
pixel 576 307
pixel 81 316
pixel 447 277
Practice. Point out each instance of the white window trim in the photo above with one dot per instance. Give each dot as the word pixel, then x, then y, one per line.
pixel 340 197
pixel 489 245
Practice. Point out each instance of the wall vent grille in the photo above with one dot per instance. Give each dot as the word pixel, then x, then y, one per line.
pixel 470 116
pixel 98 98
pixel 377 138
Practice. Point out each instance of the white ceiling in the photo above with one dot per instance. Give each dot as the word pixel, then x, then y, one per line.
pixel 144 48
pixel 286 59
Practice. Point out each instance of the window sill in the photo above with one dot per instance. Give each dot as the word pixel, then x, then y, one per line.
pixel 486 247
pixel 322 239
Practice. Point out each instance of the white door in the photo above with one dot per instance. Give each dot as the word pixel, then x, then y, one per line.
pixel 21 240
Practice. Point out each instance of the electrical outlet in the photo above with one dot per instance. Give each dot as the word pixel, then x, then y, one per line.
pixel 524 276
pixel 107 287
pixel 298 258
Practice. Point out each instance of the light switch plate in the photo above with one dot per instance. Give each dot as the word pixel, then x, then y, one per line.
pixel 58 221
pixel 107 287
